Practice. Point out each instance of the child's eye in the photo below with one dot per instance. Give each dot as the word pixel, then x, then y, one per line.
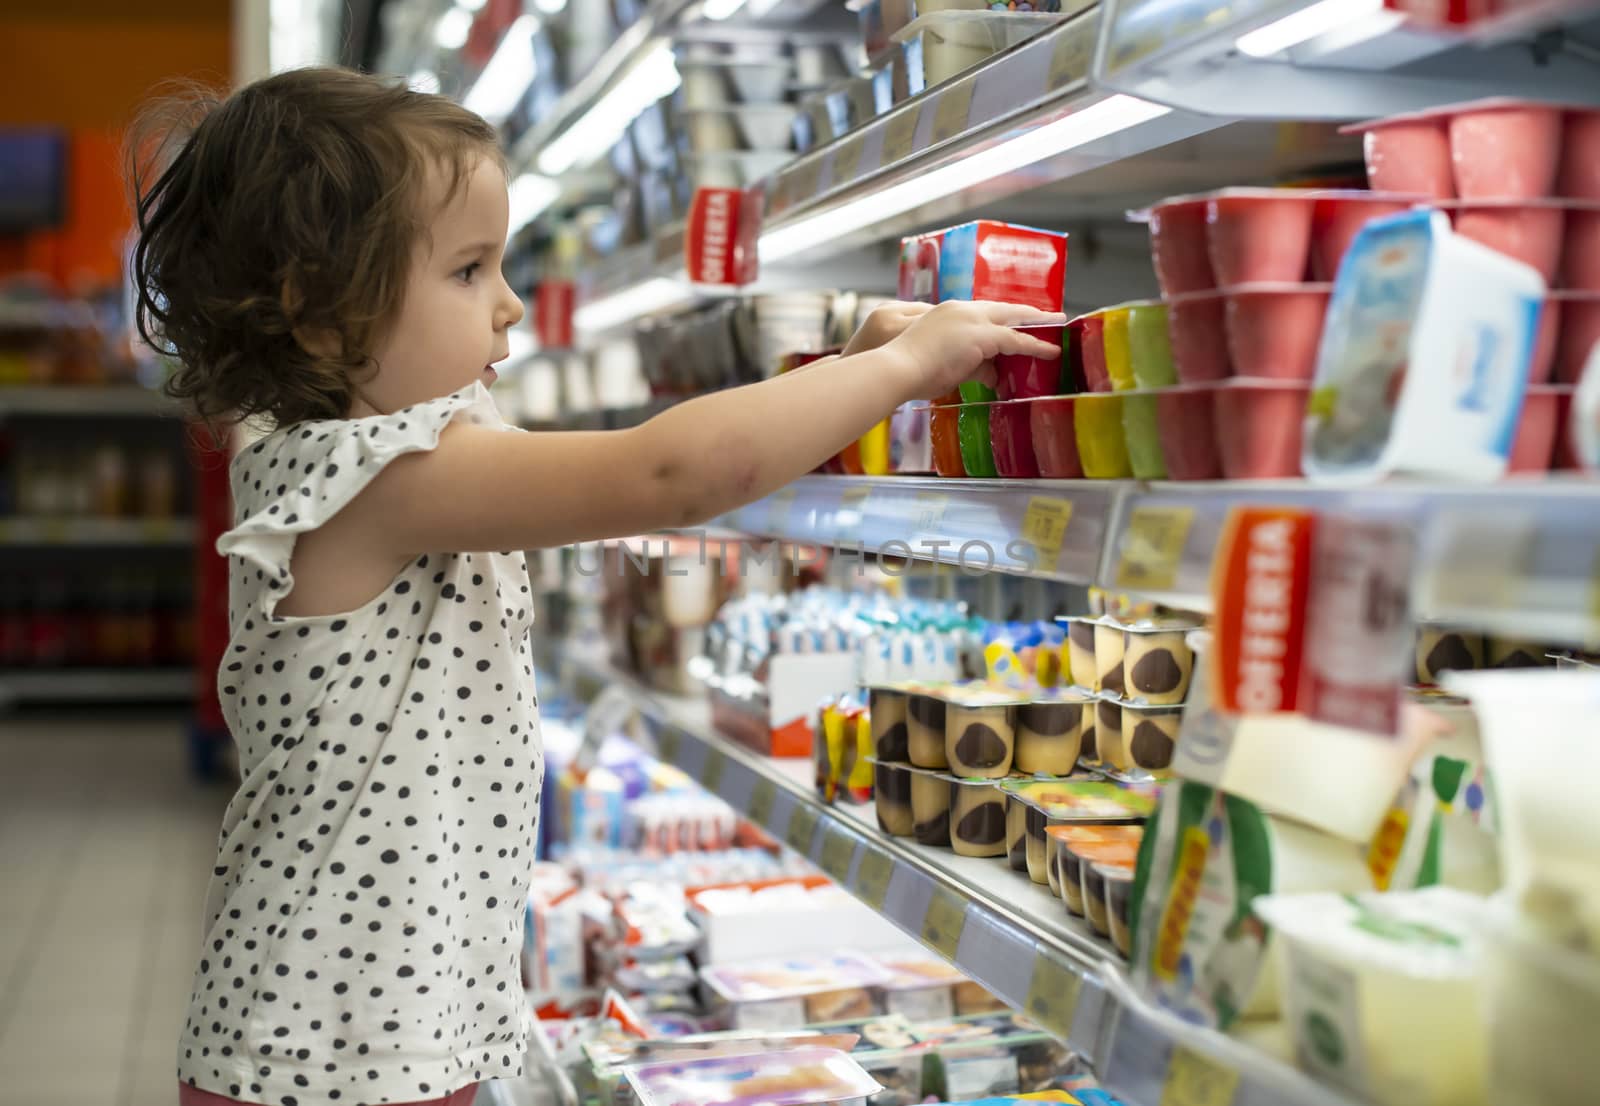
pixel 467 272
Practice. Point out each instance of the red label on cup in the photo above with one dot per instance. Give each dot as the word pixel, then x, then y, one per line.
pixel 720 246
pixel 1261 582
pixel 1445 13
pixel 553 303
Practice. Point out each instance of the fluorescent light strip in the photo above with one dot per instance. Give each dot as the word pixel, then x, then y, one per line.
pixel 1113 114
pixel 653 76
pixel 1304 25
pixel 656 294
pixel 510 71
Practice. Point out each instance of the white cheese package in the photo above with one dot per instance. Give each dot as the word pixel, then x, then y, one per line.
pixel 1439 830
pixel 1383 995
pixel 1424 358
pixel 1199 950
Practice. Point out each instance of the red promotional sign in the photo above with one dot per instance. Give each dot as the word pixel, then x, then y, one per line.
pixel 1261 582
pixel 553 303
pixel 720 245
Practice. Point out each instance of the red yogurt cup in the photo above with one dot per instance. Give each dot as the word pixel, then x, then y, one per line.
pixel 1197 328
pixel 945 436
pixel 1055 440
pixel 1258 428
pixel 1508 151
pixel 1178 247
pixel 1579 178
pixel 1274 333
pixel 1580 333
pixel 1410 155
pixel 1335 222
pixel 1011 438
pixel 1024 377
pixel 1580 267
pixel 1567 458
pixel 1259 235
pixel 1534 446
pixel 1089 334
pixel 1527 232
pixel 1186 418
pixel 1544 343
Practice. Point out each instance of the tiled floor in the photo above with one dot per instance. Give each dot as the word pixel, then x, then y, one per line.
pixel 105 849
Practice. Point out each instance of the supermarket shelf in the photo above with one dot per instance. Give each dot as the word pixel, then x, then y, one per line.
pixel 1519 557
pixel 1001 929
pixel 117 532
pixel 97 685
pixel 66 402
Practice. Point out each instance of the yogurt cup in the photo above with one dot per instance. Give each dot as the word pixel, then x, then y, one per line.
pixel 1580 270
pixel 1578 334
pixel 977 818
pixel 1274 330
pixel 1258 235
pixel 1527 232
pixel 1024 376
pixel 1119 352
pixel 1157 662
pixel 1102 445
pixel 1055 440
pixel 891 796
pixel 1259 428
pixel 1197 328
pixel 1186 421
pixel 1118 881
pixel 1150 345
pixel 1579 177
pixel 930 808
pixel 925 724
pixel 1178 246
pixel 972 431
pixel 887 710
pixel 944 437
pixel 980 739
pixel 1141 435
pixel 1050 734
pixel 1533 448
pixel 1011 440
pixel 1339 217
pixel 1409 155
pixel 1059 839
pixel 1505 149
pixel 1086 334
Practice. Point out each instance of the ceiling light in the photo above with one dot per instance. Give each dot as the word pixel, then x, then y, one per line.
pixel 653 76
pixel 1304 25
pixel 551 7
pixel 505 80
pixel 453 28
pixel 531 194
pixel 1113 114
pixel 656 294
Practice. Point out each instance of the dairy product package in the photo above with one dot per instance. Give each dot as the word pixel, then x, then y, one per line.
pixel 1198 948
pixel 1383 995
pixel 798 1077
pixel 1424 357
pixel 1439 830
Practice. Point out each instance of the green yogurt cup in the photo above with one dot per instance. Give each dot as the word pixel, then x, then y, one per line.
pixel 1149 346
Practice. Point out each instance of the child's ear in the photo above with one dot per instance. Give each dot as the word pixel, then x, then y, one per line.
pixel 317 341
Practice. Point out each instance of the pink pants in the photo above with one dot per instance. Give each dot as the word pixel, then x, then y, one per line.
pixel 190 1096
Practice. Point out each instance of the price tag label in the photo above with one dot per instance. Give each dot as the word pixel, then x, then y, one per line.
pixel 1152 548
pixel 1045 525
pixel 951 111
pixel 1053 994
pixel 872 877
pixel 670 745
pixel 927 512
pixel 762 797
pixel 838 848
pixel 1072 55
pixel 847 160
pixel 716 765
pixel 900 135
pixel 802 828
pixel 779 505
pixel 1196 1080
pixel 944 921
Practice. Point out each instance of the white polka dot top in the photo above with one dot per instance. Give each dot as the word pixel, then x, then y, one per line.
pixel 364 919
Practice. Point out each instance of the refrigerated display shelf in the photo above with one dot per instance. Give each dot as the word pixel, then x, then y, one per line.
pixel 85 402
pixel 1520 557
pixel 993 923
pixel 96 685
pixel 97 532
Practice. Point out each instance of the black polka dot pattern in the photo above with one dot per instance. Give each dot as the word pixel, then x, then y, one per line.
pixel 364 919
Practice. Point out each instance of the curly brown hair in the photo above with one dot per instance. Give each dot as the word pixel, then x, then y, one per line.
pixel 275 231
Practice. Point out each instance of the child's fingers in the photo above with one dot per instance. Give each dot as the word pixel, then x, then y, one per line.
pixel 1016 314
pixel 1027 345
pixel 987 374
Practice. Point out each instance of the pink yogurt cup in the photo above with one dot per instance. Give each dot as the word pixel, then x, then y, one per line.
pixel 1257 235
pixel 1089 333
pixel 1011 438
pixel 1505 150
pixel 1530 233
pixel 1580 266
pixel 1409 155
pixel 1579 178
pixel 1197 329
pixel 1055 440
pixel 1579 334
pixel 1186 419
pixel 1335 222
pixel 1258 428
pixel 1178 247
pixel 1544 343
pixel 1274 332
pixel 1534 446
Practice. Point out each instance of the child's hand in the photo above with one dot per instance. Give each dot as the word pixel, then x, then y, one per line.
pixel 884 324
pixel 959 340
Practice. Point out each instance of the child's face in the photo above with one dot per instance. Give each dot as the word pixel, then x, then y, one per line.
pixel 457 308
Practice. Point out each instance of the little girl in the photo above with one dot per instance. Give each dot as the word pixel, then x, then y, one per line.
pixel 323 250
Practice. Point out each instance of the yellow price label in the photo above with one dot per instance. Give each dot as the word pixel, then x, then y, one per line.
pixel 872 877
pixel 900 135
pixel 838 849
pixel 1152 548
pixel 1073 54
pixel 716 765
pixel 762 798
pixel 1045 525
pixel 1053 994
pixel 951 111
pixel 1197 1080
pixel 779 504
pixel 944 921
pixel 802 828
pixel 670 745
pixel 928 512
pixel 847 160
